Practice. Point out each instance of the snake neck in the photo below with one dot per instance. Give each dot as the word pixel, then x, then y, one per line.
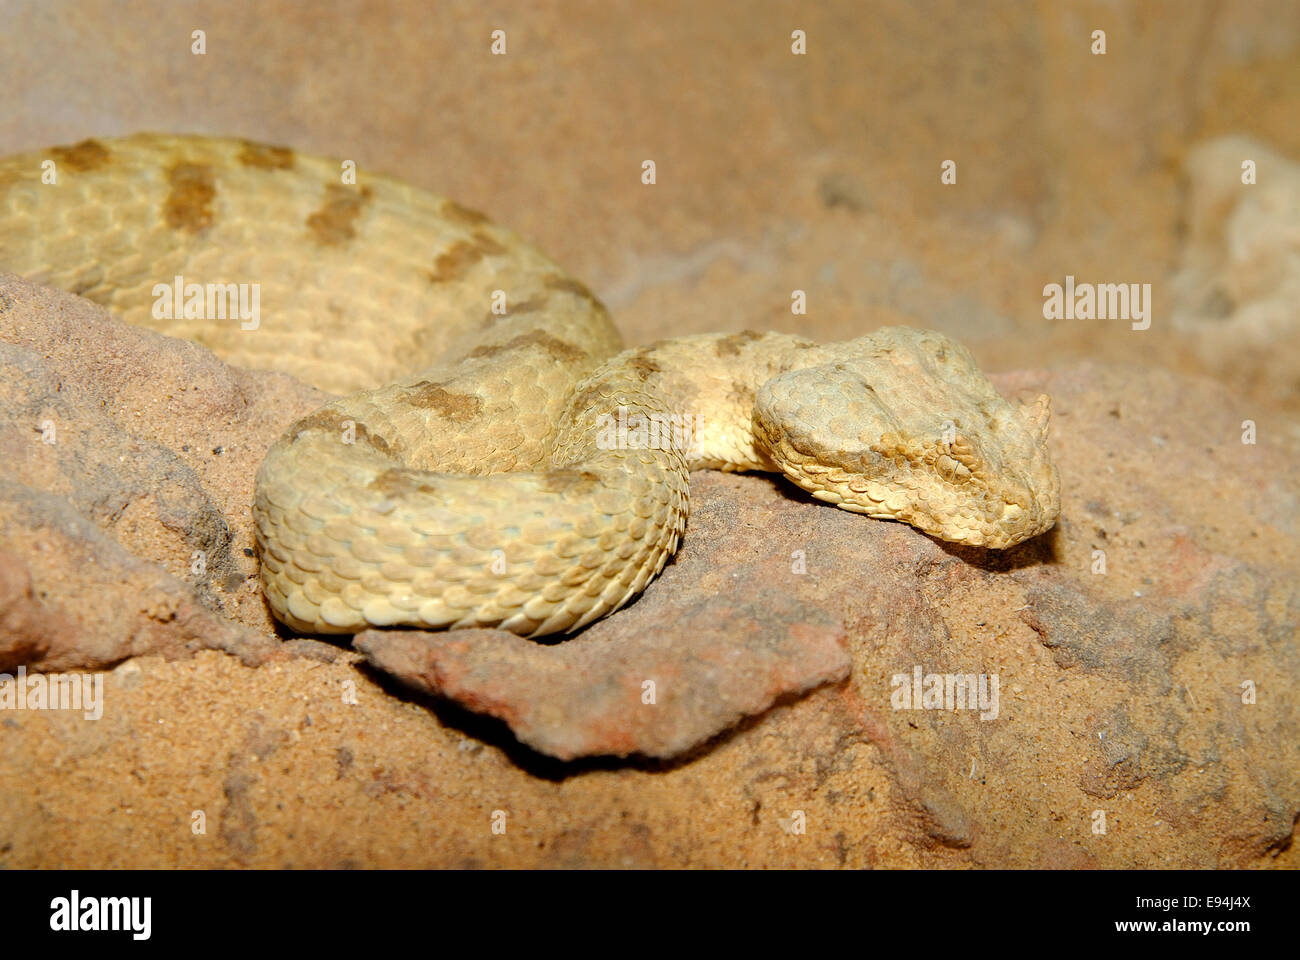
pixel 693 395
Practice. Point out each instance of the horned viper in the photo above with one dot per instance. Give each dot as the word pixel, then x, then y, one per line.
pixel 497 458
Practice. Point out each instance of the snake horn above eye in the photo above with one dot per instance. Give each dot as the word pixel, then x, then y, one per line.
pixel 1038 414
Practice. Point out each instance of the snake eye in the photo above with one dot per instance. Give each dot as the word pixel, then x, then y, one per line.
pixel 968 460
pixel 952 470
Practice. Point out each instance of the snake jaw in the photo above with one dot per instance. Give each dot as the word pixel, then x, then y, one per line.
pixel 995 516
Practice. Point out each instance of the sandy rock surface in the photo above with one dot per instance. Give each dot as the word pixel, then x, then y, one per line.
pixel 1120 643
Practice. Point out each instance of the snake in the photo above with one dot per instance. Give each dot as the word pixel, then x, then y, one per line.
pixel 493 456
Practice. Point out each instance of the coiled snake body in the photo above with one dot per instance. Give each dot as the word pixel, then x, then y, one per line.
pixel 529 476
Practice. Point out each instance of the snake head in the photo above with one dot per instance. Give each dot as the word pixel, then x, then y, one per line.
pixel 903 425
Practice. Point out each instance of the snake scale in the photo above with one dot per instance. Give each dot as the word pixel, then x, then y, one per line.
pixel 496 459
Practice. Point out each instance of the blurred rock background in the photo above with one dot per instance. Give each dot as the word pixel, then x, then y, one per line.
pixel 775 172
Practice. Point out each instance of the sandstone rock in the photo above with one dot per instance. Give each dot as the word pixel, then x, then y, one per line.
pixel 1145 648
pixel 685 666
pixel 126 465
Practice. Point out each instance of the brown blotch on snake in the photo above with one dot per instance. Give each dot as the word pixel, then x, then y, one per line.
pixel 336 424
pixel 457 407
pixel 266 158
pixel 454 262
pixel 556 347
pixel 454 211
pixel 640 363
pixel 555 281
pixel 189 204
pixel 571 482
pixel 730 346
pixel 335 222
pixel 83 156
pixel 400 482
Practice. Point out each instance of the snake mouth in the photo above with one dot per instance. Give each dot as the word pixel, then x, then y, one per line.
pixel 995 515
